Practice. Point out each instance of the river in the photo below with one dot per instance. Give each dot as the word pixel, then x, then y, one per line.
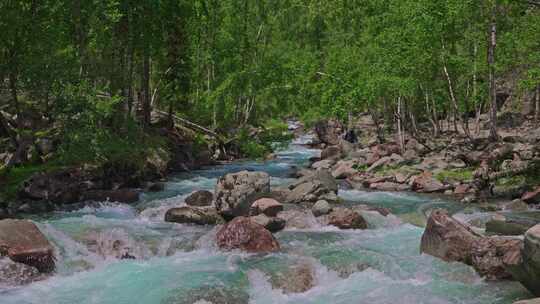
pixel 180 263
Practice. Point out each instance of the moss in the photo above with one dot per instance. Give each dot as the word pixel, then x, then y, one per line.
pixel 455 175
pixel 511 181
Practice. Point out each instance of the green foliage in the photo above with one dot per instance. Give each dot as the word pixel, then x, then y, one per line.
pixel 13 178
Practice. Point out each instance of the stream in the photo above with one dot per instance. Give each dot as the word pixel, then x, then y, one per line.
pixel 180 264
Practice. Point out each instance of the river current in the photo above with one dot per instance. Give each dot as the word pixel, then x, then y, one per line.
pixel 180 263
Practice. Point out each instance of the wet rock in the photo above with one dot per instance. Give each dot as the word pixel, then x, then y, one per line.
pixel 236 192
pixel 16 274
pixel 193 215
pixel 532 197
pixel 267 206
pixel 321 208
pixel 331 152
pixel 501 225
pixel 297 279
pixel 273 224
pixel 450 240
pixel 127 196
pixel 527 268
pixel 297 219
pixel 346 219
pixel 329 131
pixel 490 256
pixel 244 234
pixel 310 188
pixel 22 242
pixel 200 198
pixel 447 239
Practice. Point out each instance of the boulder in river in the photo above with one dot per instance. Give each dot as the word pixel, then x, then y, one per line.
pixel 22 242
pixel 344 218
pixel 311 187
pixel 235 192
pixel 200 198
pixel 527 270
pixel 244 234
pixel 273 224
pixel 321 208
pixel 447 238
pixel 193 215
pixel 450 240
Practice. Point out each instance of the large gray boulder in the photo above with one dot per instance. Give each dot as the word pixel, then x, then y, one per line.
pixel 235 192
pixel 311 187
pixel 193 215
pixel 22 242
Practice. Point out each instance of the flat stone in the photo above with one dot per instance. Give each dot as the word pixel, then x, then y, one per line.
pixel 22 242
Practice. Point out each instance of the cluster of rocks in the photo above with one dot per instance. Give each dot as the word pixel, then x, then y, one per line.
pixel 454 166
pixel 251 211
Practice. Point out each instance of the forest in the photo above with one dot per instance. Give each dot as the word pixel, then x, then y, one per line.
pixel 123 121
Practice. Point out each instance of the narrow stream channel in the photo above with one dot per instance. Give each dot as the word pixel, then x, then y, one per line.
pixel 180 264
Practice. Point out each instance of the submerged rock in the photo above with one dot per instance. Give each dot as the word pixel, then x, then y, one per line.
pixel 447 239
pixel 200 198
pixel 244 234
pixel 236 192
pixel 321 208
pixel 297 279
pixel 193 215
pixel 22 242
pixel 15 274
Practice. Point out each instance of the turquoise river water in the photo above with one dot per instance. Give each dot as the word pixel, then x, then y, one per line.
pixel 180 264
